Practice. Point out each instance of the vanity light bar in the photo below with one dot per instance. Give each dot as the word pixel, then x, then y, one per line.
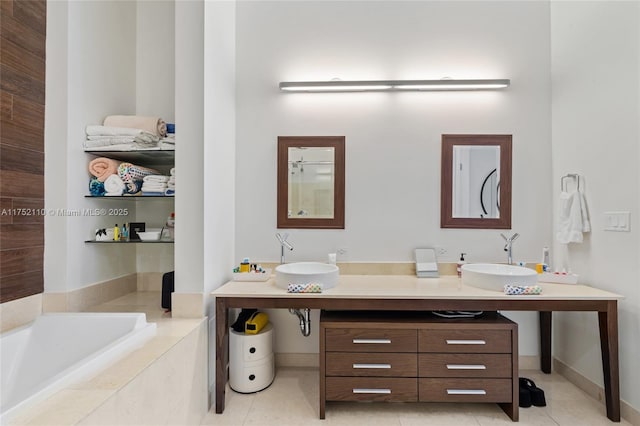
pixel 392 85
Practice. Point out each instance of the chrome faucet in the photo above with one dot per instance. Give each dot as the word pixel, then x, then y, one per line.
pixel 508 246
pixel 283 243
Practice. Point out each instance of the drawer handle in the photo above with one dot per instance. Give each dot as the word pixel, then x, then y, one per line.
pixel 466 367
pixel 374 341
pixel 379 391
pixel 372 366
pixel 466 392
pixel 466 342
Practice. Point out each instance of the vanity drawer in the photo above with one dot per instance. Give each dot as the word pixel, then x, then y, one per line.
pixel 371 389
pixel 371 364
pixel 464 365
pixel 370 340
pixel 462 340
pixel 465 390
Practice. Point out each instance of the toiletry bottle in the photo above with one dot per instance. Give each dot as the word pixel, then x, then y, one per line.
pixel 124 234
pixel 245 265
pixel 116 233
pixel 545 259
pixel 460 263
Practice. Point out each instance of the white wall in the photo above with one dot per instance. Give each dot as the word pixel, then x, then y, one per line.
pixel 595 113
pixel 392 139
pixel 92 56
pixel 219 155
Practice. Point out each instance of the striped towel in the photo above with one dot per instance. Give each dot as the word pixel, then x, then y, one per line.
pixel 522 289
pixel 304 288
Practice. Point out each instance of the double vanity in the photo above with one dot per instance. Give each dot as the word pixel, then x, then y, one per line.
pixel 402 303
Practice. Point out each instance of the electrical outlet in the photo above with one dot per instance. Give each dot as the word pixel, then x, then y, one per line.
pixel 342 251
pixel 441 251
pixel 617 221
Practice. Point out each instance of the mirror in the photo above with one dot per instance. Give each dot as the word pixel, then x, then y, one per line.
pixel 311 182
pixel 476 182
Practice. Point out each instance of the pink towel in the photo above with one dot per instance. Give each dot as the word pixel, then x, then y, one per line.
pixel 103 167
pixel 154 125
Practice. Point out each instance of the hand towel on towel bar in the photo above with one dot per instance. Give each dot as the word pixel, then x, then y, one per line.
pixel 154 125
pixel 103 167
pixel 573 218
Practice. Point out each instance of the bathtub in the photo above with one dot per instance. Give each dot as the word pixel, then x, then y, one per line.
pixel 57 350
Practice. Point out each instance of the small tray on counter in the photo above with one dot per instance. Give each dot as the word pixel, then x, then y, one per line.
pixel 557 278
pixel 252 276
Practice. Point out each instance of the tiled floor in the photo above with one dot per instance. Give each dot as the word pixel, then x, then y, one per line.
pixel 292 400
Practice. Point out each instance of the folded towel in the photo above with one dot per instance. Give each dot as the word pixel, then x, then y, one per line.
pixel 153 193
pixel 154 125
pixel 573 218
pixel 522 289
pixel 147 188
pixel 156 178
pixel 96 188
pixel 113 185
pixel 304 288
pixel 170 192
pixel 103 167
pixel 97 130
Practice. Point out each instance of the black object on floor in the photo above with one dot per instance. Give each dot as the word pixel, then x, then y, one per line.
pixel 168 287
pixel 536 394
pixel 525 396
pixel 243 317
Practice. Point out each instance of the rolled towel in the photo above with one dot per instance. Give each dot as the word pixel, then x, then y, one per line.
pixel 103 167
pixel 96 188
pixel 114 185
pixel 172 172
pixel 97 130
pixel 153 125
pixel 129 172
pixel 170 192
pixel 133 187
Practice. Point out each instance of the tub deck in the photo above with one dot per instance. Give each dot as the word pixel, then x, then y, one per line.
pixel 74 403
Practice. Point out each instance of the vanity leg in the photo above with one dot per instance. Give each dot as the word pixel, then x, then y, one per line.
pixel 545 341
pixel 608 321
pixel 222 346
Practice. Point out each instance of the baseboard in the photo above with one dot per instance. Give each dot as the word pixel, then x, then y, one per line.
pixel 594 390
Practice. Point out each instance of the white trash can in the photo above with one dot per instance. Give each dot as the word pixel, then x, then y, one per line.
pixel 251 361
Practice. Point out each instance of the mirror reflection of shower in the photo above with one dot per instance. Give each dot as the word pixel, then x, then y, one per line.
pixel 476 185
pixel 311 182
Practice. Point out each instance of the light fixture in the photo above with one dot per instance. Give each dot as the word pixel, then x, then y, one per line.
pixel 392 85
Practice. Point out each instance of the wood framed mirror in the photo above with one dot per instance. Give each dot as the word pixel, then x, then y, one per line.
pixel 476 182
pixel 311 182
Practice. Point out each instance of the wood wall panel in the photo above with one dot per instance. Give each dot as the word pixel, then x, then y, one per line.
pixel 22 97
pixel 21 261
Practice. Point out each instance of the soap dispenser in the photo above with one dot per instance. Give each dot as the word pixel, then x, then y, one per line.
pixel 460 263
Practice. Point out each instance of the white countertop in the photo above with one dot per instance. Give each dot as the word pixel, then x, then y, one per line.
pixel 409 287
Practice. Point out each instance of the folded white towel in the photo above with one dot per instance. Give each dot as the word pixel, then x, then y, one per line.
pixel 154 186
pixel 573 220
pixel 153 125
pixel 156 178
pixel 97 130
pixel 114 185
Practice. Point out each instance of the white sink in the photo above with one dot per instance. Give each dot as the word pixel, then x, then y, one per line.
pixel 493 276
pixel 307 273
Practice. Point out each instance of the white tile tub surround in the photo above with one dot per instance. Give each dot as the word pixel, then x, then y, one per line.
pixel 62 348
pixel 82 298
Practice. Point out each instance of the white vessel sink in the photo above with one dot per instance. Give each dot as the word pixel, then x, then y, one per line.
pixel 493 276
pixel 307 273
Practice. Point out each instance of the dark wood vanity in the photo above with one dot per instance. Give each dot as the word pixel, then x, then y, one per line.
pixel 418 357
